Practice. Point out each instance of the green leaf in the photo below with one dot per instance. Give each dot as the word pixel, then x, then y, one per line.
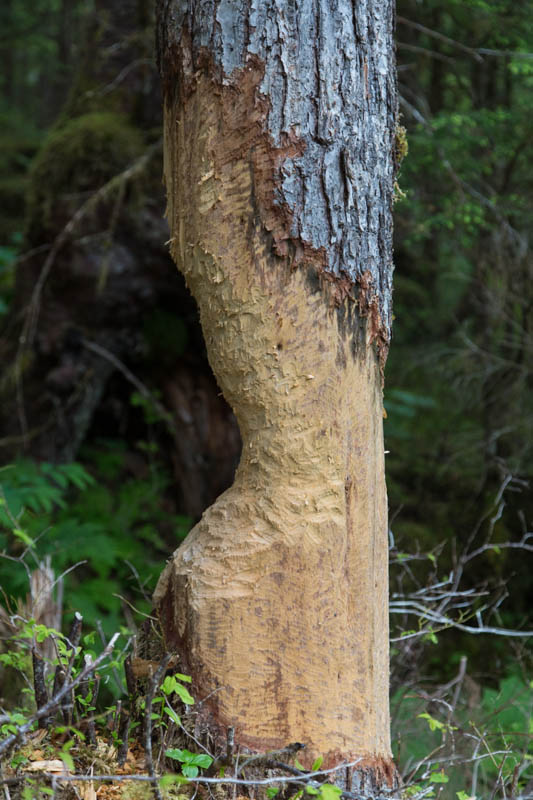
pixel 317 764
pixel 173 716
pixel 184 678
pixel 176 754
pixel 184 695
pixel 65 756
pixel 201 760
pixel 190 770
pixel 434 724
pixel 330 792
pixel 23 536
pixel 272 791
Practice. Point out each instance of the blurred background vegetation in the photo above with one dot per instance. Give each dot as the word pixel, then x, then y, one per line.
pixel 114 435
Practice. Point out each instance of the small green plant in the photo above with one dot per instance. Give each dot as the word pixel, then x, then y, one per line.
pixel 191 763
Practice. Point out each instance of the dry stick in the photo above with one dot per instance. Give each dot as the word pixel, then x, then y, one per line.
pixel 22 730
pixel 230 745
pixel 74 636
pixel 60 678
pixel 6 788
pixel 41 695
pixel 131 684
pixel 118 710
pixel 85 691
pixel 154 683
pixel 73 640
pixel 123 733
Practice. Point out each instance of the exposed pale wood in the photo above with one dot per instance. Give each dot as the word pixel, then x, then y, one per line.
pixel 278 597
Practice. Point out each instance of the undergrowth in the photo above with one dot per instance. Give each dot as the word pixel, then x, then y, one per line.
pixel 73 542
pixel 115 527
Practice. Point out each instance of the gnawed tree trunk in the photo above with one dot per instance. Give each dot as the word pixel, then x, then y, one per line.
pixel 279 167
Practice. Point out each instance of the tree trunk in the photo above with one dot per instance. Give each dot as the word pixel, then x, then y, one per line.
pixel 279 167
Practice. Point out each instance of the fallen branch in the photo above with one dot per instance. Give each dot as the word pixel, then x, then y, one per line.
pixel 304 778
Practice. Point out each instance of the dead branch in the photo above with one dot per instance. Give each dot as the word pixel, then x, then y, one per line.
pixel 152 688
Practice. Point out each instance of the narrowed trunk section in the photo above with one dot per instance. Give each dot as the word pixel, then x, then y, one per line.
pixel 279 163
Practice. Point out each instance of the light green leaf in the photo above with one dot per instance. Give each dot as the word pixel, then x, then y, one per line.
pixel 23 536
pixel 201 760
pixel 174 753
pixel 329 792
pixel 173 716
pixel 184 695
pixel 190 770
pixel 434 724
pixel 438 777
pixel 184 678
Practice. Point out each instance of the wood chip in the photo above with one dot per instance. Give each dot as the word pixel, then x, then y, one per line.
pixel 54 765
pixel 86 791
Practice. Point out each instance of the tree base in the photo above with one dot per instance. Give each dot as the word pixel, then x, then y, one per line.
pixel 368 778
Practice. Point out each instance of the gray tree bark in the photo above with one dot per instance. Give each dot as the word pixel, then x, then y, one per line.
pixel 279 165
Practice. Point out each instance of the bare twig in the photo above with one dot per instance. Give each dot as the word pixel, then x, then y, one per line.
pixel 230 744
pixel 7 794
pixel 39 686
pixel 152 688
pixel 124 72
pixel 88 697
pixel 128 374
pixel 123 733
pixel 437 35
pixel 131 683
pixel 74 636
